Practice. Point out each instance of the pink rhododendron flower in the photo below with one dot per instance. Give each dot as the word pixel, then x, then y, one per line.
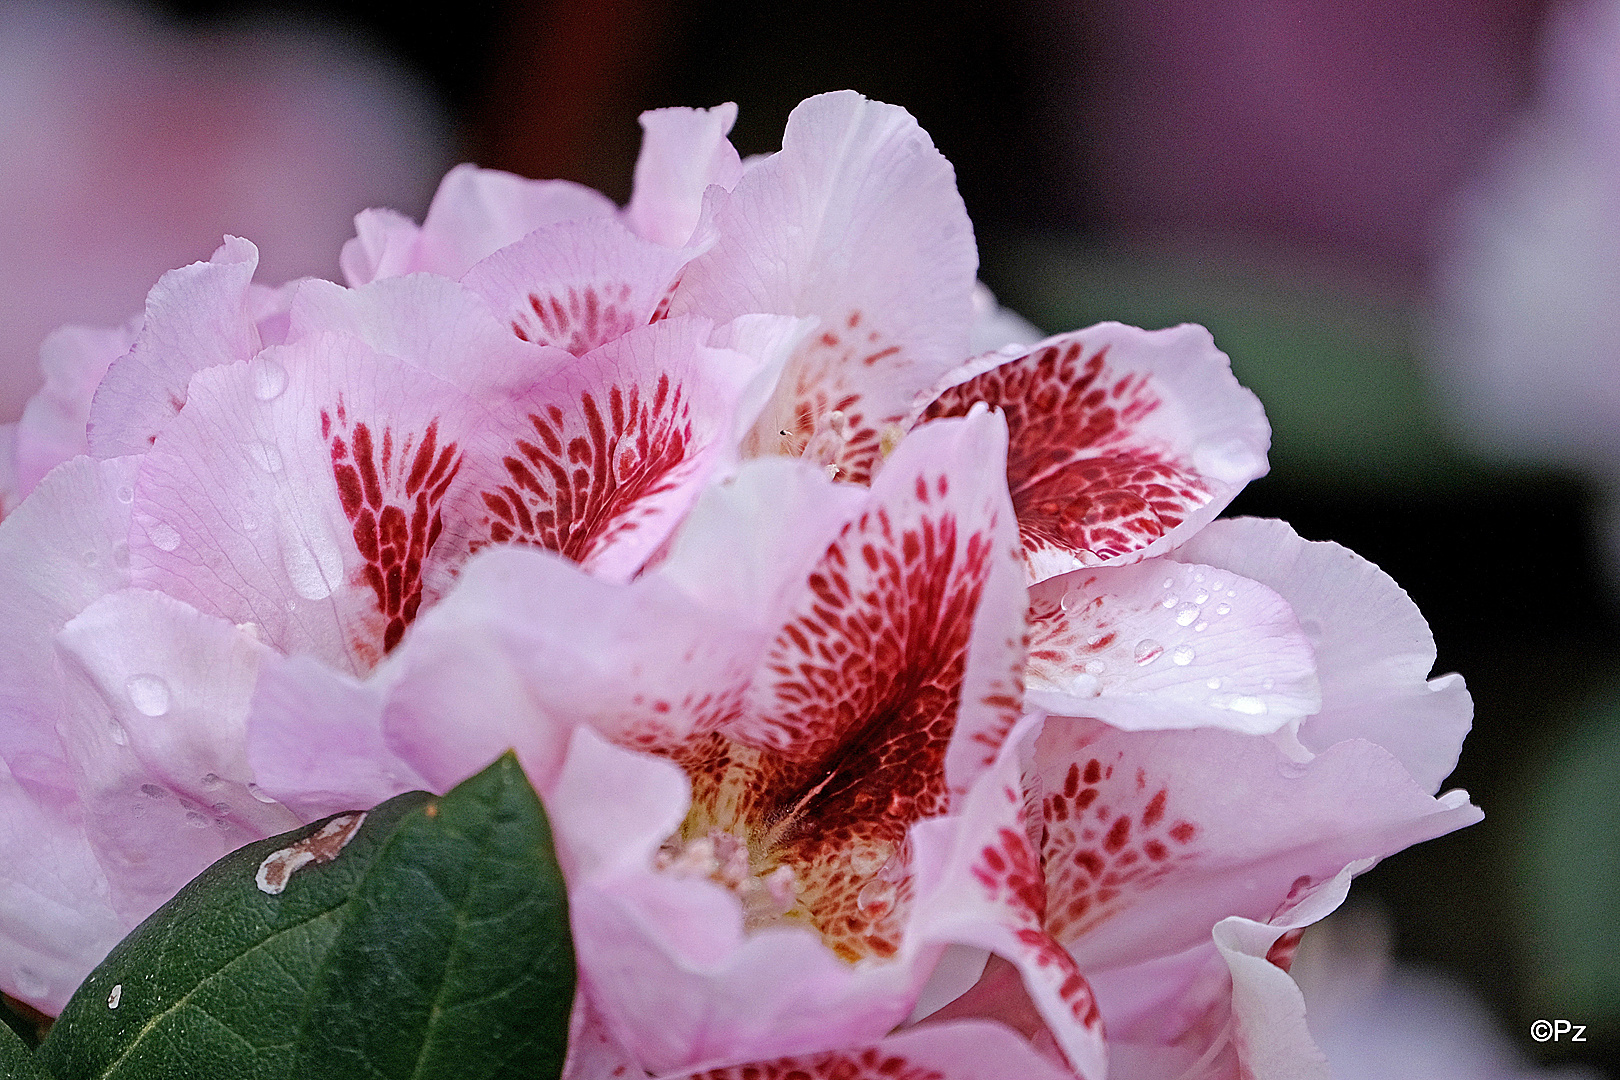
pixel 898 712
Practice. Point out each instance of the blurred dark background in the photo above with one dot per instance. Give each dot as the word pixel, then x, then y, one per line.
pixel 1280 170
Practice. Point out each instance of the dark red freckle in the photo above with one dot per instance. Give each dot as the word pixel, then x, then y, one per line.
pixel 1183 831
pixel 1071 781
pixel 499 532
pixel 367 467
pixel 365 535
pixel 1105 895
pixel 348 483
pixel 993 857
pixel 1105 641
pixel 829 340
pixel 518 330
pixel 1141 779
pixel 1128 858
pixel 1058 810
pixel 660 706
pixel 1155 810
pixel 922 489
pixel 1089 861
pixel 394 633
pixel 1093 771
pixel 943 485
pixel 423 460
pixel 1108 773
pixel 909 547
pixel 873 358
pixel 1118 834
pixel 1156 851
pixel 326 423
pixel 498 507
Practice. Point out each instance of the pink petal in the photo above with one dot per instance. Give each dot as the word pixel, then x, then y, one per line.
pixel 254 503
pixel 915 592
pixel 315 741
pixel 969 1050
pixel 1373 648
pixel 558 649
pixel 1152 837
pixel 683 151
pixel 59 550
pixel 979 883
pixel 1168 644
pixel 996 327
pixel 196 317
pixel 74 360
pixel 431 322
pixel 665 958
pixel 475 213
pixel 1124 442
pixel 578 284
pixel 856 222
pixel 601 460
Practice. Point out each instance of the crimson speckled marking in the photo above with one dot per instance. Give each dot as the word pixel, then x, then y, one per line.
pixel 1106 837
pixel 864 691
pixel 392 503
pixel 581 478
pixel 867 1064
pixel 578 318
pixel 1081 480
pixel 825 376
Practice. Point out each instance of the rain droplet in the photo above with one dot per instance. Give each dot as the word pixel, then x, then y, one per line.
pixel 1186 614
pixel 265 456
pixel 196 820
pixel 153 791
pixel 91 558
pixel 1201 627
pixel 1169 582
pixel 1182 656
pixel 221 808
pixel 1072 600
pixel 269 378
pixel 1214 684
pixel 1095 667
pixel 210 781
pixel 1093 640
pixel 1201 597
pixel 1248 706
pixel 1267 684
pixel 1169 602
pixel 1147 651
pixel 163 536
pixel 125 494
pixel 876 897
pixel 115 996
pixel 1223 609
pixel 121 554
pixel 116 732
pixel 258 793
pixel 148 693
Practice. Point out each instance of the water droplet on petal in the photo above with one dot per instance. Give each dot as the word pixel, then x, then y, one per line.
pixel 1267 684
pixel 116 732
pixel 1248 706
pixel 1201 627
pixel 1095 667
pixel 1147 651
pixel 265 456
pixel 258 793
pixel 221 808
pixel 148 693
pixel 196 820
pixel 876 897
pixel 269 378
pixel 91 558
pixel 125 494
pixel 1182 656
pixel 1169 602
pixel 164 537
pixel 1214 684
pixel 121 554
pixel 1186 614
pixel 153 791
pixel 1072 600
pixel 210 781
pixel 115 996
pixel 1169 582
pixel 1201 597
pixel 1223 609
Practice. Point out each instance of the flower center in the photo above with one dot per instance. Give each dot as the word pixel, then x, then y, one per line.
pixel 767 894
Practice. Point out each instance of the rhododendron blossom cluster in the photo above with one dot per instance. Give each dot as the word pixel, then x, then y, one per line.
pixel 898 703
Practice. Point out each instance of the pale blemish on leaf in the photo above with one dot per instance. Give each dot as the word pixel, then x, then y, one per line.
pixel 321 846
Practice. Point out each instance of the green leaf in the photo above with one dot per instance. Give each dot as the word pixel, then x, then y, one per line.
pixel 434 943
pixel 16 1060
